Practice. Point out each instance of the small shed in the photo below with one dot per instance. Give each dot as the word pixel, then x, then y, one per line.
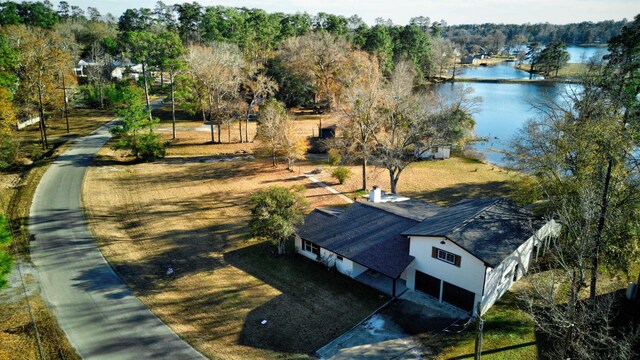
pixel 435 152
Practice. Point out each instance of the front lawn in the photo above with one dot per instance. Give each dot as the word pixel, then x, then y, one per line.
pixel 192 214
pixel 508 334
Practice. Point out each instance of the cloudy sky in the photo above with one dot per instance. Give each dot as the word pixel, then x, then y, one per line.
pixel 400 11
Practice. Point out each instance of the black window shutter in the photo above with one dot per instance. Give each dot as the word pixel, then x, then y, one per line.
pixel 434 252
pixel 458 260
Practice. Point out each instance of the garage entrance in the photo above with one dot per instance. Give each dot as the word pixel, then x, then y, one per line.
pixel 457 296
pixel 428 284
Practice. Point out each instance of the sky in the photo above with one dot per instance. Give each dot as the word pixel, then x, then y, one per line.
pixel 400 11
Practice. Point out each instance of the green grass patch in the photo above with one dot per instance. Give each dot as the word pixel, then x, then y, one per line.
pixel 508 334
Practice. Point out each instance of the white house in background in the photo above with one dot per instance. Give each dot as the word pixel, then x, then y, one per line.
pixel 435 152
pixel 470 252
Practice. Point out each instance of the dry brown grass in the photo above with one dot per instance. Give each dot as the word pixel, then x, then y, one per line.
pixel 194 215
pixel 443 182
pixel 81 122
pixel 17 334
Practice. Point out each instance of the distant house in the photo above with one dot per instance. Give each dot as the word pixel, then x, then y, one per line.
pixel 435 152
pixel 470 252
pixel 80 68
pixel 470 60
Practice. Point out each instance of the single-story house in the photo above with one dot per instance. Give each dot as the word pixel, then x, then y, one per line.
pixel 470 252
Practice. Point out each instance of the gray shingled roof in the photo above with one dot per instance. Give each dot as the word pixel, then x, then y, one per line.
pixel 490 229
pixel 412 209
pixel 365 234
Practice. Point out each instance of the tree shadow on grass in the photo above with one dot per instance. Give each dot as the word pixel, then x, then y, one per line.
pixel 315 305
pixel 453 194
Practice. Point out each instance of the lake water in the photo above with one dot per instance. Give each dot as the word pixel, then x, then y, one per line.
pixel 582 54
pixel 506 70
pixel 506 107
pixel 504 110
pixel 503 70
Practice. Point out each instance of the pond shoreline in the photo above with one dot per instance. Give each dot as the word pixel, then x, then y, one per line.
pixel 513 81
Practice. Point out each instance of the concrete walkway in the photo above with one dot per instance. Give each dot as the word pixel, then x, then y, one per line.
pixel 100 316
pixel 329 188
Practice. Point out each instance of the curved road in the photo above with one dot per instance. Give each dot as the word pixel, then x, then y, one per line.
pixel 100 316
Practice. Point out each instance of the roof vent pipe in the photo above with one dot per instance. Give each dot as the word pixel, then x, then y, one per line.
pixel 375 195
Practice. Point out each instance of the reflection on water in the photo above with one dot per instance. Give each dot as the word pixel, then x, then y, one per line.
pixel 582 54
pixel 504 110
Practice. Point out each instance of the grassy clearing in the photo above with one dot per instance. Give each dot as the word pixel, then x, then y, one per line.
pixel 194 215
pixel 443 182
pixel 569 71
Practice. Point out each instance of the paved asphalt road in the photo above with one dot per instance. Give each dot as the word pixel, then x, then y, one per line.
pixel 101 317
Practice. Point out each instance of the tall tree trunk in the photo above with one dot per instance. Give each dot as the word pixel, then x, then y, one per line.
pixel 229 131
pixel 604 207
pixel 146 89
pixel 64 98
pixel 273 154
pixel 218 100
pixel 394 176
pixel 161 78
pixel 364 173
pixel 173 103
pixel 240 127
pixel 213 138
pixel 246 125
pixel 43 126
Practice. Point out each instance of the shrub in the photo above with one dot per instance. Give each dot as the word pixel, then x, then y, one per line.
pixel 89 95
pixel 150 147
pixel 334 157
pixel 6 262
pixel 341 174
pixel 8 151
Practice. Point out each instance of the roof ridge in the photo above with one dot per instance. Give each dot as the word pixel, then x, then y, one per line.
pixel 367 203
pixel 485 208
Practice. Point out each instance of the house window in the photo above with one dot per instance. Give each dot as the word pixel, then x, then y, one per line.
pixel 310 247
pixel 446 256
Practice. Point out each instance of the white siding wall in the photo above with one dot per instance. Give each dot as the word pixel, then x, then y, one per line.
pixel 300 251
pixel 500 279
pixel 344 266
pixel 469 276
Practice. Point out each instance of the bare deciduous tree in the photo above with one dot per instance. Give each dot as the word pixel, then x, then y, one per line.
pixel 261 87
pixel 217 69
pixel 361 98
pixel 414 122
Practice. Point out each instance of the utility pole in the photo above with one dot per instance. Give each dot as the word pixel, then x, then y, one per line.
pixel 479 327
pixel 64 92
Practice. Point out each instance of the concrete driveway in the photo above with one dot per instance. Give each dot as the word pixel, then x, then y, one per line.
pixel 381 337
pixel 100 316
